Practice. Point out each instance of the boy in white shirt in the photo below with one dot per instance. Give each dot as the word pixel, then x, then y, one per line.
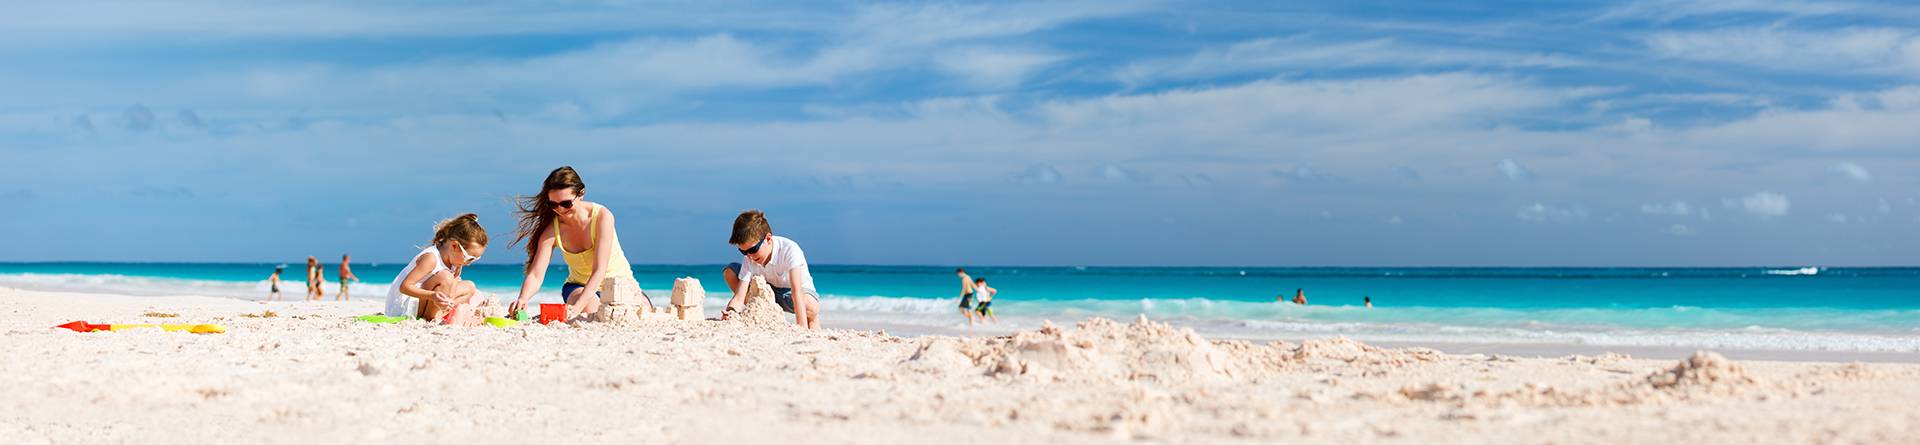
pixel 777 259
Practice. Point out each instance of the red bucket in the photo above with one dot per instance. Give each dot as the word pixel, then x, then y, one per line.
pixel 551 312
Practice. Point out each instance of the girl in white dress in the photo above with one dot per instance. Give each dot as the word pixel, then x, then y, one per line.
pixel 430 286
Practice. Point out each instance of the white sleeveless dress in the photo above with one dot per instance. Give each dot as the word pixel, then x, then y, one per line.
pixel 401 305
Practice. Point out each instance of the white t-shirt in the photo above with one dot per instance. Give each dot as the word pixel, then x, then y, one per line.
pixel 779 268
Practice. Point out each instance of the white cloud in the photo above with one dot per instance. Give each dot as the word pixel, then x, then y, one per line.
pixel 1853 171
pixel 1302 174
pixel 1676 208
pixel 1837 218
pixel 1856 50
pixel 1669 10
pixel 1037 174
pixel 936 23
pixel 1544 213
pixel 1679 230
pixel 1197 180
pixel 1406 172
pixel 1115 173
pixel 1875 122
pixel 1325 106
pixel 994 69
pixel 1395 220
pixel 139 118
pixel 1763 204
pixel 1268 55
pixel 190 119
pixel 1884 206
pixel 1513 171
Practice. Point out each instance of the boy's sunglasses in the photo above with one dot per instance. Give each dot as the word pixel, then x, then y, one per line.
pixel 567 204
pixel 754 249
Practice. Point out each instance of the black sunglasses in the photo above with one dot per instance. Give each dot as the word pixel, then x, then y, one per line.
pixel 754 249
pixel 567 204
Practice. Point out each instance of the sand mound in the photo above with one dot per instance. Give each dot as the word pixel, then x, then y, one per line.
pixel 1347 354
pixel 760 310
pixel 1703 375
pixel 1102 349
pixel 1704 371
pixel 942 354
pixel 1337 348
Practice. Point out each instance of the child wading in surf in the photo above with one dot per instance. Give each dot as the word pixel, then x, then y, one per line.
pixel 985 293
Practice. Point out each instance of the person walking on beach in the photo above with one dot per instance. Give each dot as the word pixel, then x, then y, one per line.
pixel 273 283
pixel 777 259
pixel 430 286
pixel 559 217
pixel 1300 297
pixel 316 277
pixel 985 293
pixel 966 295
pixel 346 276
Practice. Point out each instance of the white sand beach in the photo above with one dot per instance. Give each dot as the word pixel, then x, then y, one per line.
pixel 310 374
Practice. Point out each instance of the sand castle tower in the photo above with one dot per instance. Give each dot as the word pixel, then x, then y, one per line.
pixel 621 301
pixel 760 309
pixel 687 296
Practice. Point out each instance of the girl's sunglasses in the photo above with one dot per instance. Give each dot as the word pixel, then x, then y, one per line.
pixel 754 249
pixel 463 252
pixel 567 204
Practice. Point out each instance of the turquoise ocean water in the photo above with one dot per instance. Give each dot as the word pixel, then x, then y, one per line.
pixel 1801 308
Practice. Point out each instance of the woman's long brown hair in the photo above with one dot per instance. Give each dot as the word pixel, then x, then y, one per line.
pixel 536 215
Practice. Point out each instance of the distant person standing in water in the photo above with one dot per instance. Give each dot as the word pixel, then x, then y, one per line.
pixel 1368 301
pixel 1300 297
pixel 985 293
pixel 966 294
pixel 346 276
pixel 273 283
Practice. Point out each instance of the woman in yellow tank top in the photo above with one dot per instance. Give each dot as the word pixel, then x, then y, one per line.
pixel 557 217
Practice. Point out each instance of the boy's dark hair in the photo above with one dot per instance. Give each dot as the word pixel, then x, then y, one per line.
pixel 960 270
pixel 979 281
pixel 1367 299
pixel 750 226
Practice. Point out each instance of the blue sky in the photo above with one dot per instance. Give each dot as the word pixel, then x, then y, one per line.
pixel 1071 133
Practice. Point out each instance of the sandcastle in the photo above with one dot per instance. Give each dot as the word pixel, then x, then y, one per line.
pixel 687 297
pixel 760 309
pixel 622 302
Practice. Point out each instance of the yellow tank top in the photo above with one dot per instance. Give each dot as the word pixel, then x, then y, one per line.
pixel 580 265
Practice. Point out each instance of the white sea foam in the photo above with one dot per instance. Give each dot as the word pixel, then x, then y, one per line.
pixel 1807 271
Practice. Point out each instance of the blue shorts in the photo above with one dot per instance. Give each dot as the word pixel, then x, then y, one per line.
pixel 566 290
pixel 782 296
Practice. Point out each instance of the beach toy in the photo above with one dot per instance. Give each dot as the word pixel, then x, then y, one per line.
pixel 521 316
pixel 550 312
pixel 501 322
pixel 81 326
pixel 380 319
